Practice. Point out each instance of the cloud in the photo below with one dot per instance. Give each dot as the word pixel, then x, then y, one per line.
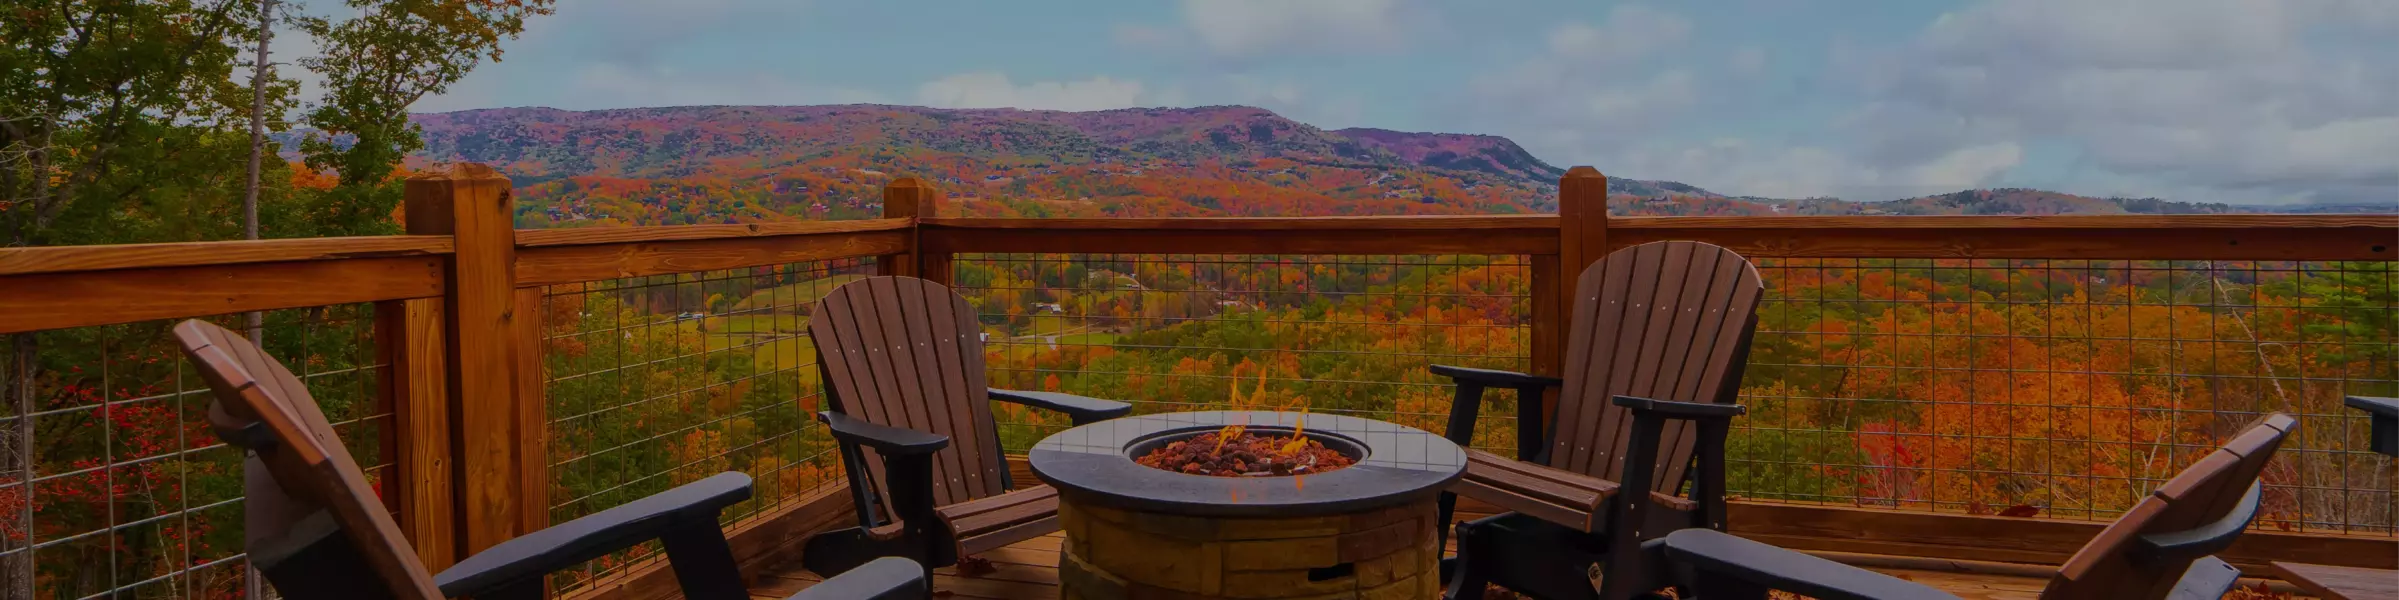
pixel 640 31
pixel 994 90
pixel 609 85
pixel 2240 100
pixel 1630 32
pixel 1748 60
pixel 1746 168
pixel 1247 30
pixel 1584 89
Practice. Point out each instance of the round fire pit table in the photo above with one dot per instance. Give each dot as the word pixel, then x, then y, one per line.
pixel 1363 531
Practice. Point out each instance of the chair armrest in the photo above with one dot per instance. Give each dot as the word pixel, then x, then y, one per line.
pixel 2388 407
pixel 2208 577
pixel 1082 410
pixel 891 441
pixel 2197 542
pixel 1495 377
pixel 887 578
pixel 1717 555
pixel 1680 410
pixel 562 546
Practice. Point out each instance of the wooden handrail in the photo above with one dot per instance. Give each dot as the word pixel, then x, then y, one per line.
pixel 2252 221
pixel 1372 223
pixel 544 238
pixel 63 259
pixel 1505 234
pixel 2093 237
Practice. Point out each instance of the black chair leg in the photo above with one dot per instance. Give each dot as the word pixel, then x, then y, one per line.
pixel 1466 578
pixel 703 562
pixel 1528 556
pixel 835 552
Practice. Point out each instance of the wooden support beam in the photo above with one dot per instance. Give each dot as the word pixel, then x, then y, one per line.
pixel 906 198
pixel 552 265
pixel 472 203
pixel 409 339
pixel 1073 239
pixel 532 410
pixel 87 298
pixel 1582 240
pixel 586 236
pixel 63 259
pixel 2019 540
pixel 2071 237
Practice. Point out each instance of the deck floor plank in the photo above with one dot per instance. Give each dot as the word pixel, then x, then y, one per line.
pixel 1028 570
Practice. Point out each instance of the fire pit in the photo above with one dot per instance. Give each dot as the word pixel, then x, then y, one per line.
pixel 1365 530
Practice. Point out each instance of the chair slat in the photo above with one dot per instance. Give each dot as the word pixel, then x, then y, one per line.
pixel 906 360
pixel 2207 491
pixel 311 468
pixel 1664 320
pixel 920 409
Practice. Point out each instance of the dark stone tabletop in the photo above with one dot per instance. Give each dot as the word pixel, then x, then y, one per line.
pixel 1090 464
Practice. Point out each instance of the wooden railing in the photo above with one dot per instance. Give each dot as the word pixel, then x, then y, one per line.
pixel 459 344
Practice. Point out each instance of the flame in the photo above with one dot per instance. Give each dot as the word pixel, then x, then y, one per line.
pixel 1299 435
pixel 1225 435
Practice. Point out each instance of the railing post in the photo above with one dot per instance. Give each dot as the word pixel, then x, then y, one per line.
pixel 472 203
pixel 409 341
pixel 907 198
pixel 1582 240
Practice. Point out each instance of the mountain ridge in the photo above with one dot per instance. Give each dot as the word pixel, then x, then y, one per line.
pixel 1043 155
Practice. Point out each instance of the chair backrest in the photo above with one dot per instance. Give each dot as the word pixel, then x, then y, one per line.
pixel 2213 491
pixel 1662 320
pixel 313 525
pixel 906 352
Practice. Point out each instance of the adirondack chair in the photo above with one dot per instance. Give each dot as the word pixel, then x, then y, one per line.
pixel 902 360
pixel 2159 549
pixel 317 530
pixel 1661 333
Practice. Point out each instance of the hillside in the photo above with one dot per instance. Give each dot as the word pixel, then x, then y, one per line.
pixel 710 164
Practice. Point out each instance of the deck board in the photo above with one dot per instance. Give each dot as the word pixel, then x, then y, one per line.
pixel 1028 570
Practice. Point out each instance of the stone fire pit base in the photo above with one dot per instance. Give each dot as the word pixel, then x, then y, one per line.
pixel 1380 554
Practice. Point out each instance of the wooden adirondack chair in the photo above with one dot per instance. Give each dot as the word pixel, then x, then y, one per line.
pixel 2159 549
pixel 902 360
pixel 317 530
pixel 1661 332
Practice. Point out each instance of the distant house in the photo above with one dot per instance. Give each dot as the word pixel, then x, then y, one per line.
pixel 1048 307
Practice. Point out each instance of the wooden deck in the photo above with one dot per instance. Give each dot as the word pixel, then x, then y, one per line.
pixel 1029 571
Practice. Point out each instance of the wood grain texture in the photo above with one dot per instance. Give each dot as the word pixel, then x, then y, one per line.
pixel 1235 241
pixel 83 299
pixel 586 236
pixel 909 199
pixel 1582 240
pixel 570 264
pixel 2005 222
pixel 415 378
pixel 532 411
pixel 2339 583
pixel 1028 570
pixel 2143 237
pixel 1372 223
pixel 483 345
pixel 2007 539
pixel 62 259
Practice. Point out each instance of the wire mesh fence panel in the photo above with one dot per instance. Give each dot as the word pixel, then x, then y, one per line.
pixel 111 483
pixel 659 381
pixel 2064 388
pixel 1342 334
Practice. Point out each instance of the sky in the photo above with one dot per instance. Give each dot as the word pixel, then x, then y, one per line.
pixel 2241 101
